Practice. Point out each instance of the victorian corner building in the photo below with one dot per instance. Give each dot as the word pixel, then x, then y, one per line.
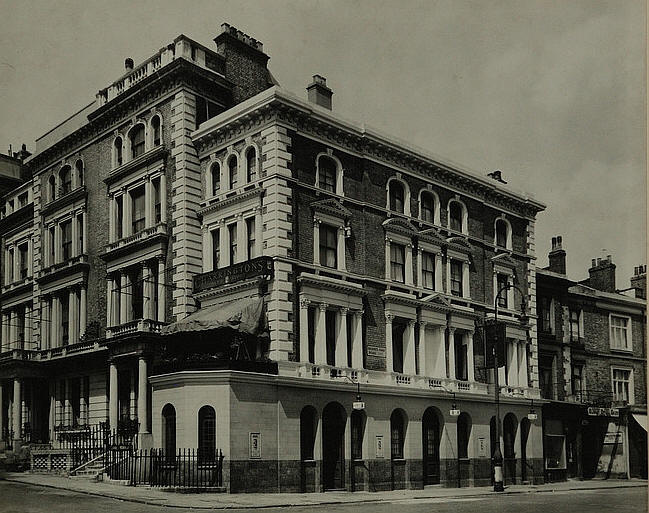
pixel 217 262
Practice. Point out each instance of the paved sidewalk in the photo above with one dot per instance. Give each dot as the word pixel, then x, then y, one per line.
pixel 158 497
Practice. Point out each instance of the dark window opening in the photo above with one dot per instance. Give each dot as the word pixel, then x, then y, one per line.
pixel 138 201
pixel 155 125
pixel 327 174
pixel 307 433
pixel 456 278
pixel 251 164
pixel 397 262
pixel 216 249
pixel 398 330
pixel 215 174
pixel 428 270
pixel 328 246
pixel 455 215
pixel 137 141
pixel 501 233
pixel 206 434
pixel 66 239
pixel 65 178
pixel 397 195
pixel 428 207
pixel 397 435
pixel 330 332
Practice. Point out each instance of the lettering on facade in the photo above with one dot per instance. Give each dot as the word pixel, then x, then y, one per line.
pixel 379 447
pixel 603 412
pixel 255 446
pixel 613 437
pixel 482 447
pixel 257 267
pixel 376 351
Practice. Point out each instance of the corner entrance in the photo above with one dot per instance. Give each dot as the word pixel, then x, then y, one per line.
pixel 334 419
pixel 430 443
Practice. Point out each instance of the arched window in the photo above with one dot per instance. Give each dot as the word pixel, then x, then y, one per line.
pixel 79 168
pixel 232 167
pixel 397 197
pixel 169 430
pixel 117 148
pixel 502 234
pixel 510 425
pixel 397 435
pixel 307 432
pixel 215 175
pixel 206 434
pixel 358 428
pixel 327 174
pixel 463 435
pixel 52 187
pixel 456 216
pixel 427 207
pixel 156 130
pixel 136 136
pixel 251 164
pixel 65 179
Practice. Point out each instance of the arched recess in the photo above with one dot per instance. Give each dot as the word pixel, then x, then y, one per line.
pixel 431 432
pixel 232 163
pixel 252 165
pixel 457 216
pixel 308 427
pixel 51 187
pixel 502 233
pixel 464 426
pixel 329 173
pixel 136 141
pixel 429 207
pixel 169 430
pixel 510 427
pixel 79 173
pixel 118 151
pixel 206 434
pixel 65 179
pixel 334 420
pixel 214 179
pixel 398 196
pixel 155 130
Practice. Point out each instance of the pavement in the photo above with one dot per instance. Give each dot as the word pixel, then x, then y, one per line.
pixel 158 497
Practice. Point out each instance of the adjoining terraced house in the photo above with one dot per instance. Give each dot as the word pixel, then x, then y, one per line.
pixel 218 263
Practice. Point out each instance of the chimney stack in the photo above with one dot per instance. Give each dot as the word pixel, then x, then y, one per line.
pixel 639 281
pixel 319 93
pixel 602 274
pixel 128 64
pixel 557 256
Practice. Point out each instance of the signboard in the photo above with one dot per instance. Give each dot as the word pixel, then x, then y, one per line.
pixel 255 446
pixel 603 412
pixel 376 351
pixel 379 447
pixel 358 405
pixel 495 338
pixel 257 267
pixel 482 447
pixel 613 437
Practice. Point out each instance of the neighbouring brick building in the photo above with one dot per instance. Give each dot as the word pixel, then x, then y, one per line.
pixel 223 263
pixel 592 369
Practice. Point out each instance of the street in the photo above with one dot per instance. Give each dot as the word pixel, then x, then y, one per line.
pixel 21 498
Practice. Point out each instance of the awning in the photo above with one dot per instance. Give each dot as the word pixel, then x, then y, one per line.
pixel 243 315
pixel 641 419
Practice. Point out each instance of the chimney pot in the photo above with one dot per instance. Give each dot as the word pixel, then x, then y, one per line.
pixel 128 64
pixel 593 263
pixel 559 240
pixel 554 242
pixel 319 93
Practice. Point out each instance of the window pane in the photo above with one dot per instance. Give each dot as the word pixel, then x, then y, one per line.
pixel 327 174
pixel 554 452
pixel 251 164
pixel 397 262
pixel 428 270
pixel 501 233
pixel 456 278
pixel 328 246
pixel 232 165
pixel 455 214
pixel 137 141
pixel 66 239
pixel 216 250
pixel 427 207
pixel 139 209
pixel 396 197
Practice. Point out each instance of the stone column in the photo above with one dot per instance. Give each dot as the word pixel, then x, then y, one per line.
pixel 112 216
pixel 423 350
pixel 147 294
pixel 142 406
pixel 242 240
pixel 52 411
pixel 512 361
pixel 17 413
pixel 451 352
pixel 316 241
pixel 388 273
pixel 259 232
pixel 71 307
pixel 148 202
pixel 123 298
pixel 440 352
pixel 112 396
pixel 420 271
pixel 341 338
pixel 30 257
pixel 56 321
pixel 84 231
pixel 224 245
pixel 127 216
pixel 2 411
pixel 28 325
pixel 439 286
pixel 409 348
pixel 207 250
pixel 340 249
pixel 45 323
pixel 523 379
pixel 304 329
pixel 6 343
pixel 83 311
pixel 110 287
pixel 162 293
pixel 466 286
pixel 57 244
pixel 75 235
pixel 13 329
pixel 389 359
pixel 357 342
pixel 408 275
pixel 321 336
pixel 469 359
pixel 163 197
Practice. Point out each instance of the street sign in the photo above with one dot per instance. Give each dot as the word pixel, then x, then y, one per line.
pixel 603 412
pixel 358 405
pixel 455 413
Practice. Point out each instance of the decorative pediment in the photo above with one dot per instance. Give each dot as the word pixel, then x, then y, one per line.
pixel 504 260
pixel 400 226
pixel 432 236
pixel 436 298
pixel 459 244
pixel 331 207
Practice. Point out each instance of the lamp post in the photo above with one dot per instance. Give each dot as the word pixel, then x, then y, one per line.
pixel 358 404
pixel 497 455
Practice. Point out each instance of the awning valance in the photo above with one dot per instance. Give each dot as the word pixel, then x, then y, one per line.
pixel 641 419
pixel 243 315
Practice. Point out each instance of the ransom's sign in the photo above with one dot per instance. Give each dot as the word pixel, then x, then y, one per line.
pixel 603 412
pixel 257 267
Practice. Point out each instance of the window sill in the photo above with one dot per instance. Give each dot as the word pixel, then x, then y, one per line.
pixel 621 350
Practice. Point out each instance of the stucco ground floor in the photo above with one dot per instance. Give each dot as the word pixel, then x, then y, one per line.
pixel 292 434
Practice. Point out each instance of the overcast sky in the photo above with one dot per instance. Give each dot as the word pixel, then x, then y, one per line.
pixel 550 92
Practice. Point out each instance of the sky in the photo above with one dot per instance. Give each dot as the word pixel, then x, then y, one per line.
pixel 553 93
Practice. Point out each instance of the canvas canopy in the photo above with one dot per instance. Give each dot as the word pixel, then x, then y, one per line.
pixel 640 419
pixel 243 315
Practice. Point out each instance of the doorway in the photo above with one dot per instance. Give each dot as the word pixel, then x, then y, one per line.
pixel 525 432
pixel 430 443
pixel 334 419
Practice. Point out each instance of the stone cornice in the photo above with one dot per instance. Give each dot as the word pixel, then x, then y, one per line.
pixel 277 105
pixel 230 199
pixel 67 199
pixel 352 289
